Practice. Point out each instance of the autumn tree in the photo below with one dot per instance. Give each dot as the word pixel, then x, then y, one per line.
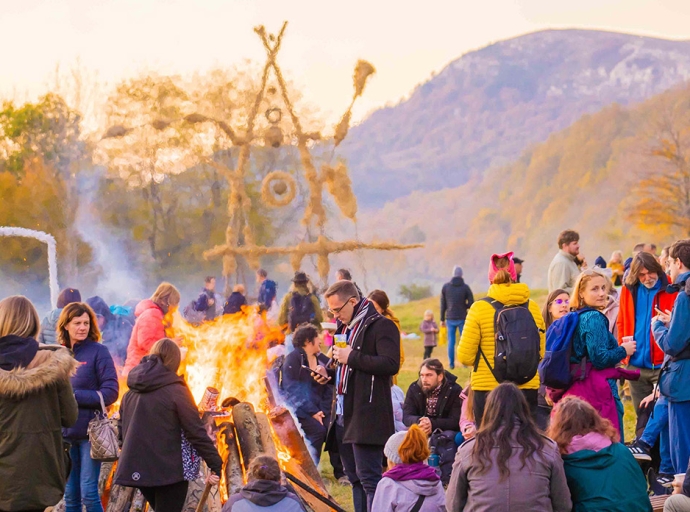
pixel 662 196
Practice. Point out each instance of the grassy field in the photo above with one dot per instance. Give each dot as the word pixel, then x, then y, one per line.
pixel 410 316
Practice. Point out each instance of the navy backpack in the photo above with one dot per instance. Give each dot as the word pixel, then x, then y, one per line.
pixel 554 368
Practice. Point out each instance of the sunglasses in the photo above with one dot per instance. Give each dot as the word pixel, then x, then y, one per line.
pixel 561 302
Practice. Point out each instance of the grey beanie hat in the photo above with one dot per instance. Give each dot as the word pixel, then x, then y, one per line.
pixel 457 271
pixel 392 447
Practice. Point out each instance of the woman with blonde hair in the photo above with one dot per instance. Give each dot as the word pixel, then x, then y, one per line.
pixel 409 481
pixel 95 386
pixel 36 402
pixel 602 474
pixel 477 344
pixel 160 425
pixel 595 351
pixel 153 322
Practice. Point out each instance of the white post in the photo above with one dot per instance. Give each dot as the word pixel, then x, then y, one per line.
pixel 49 240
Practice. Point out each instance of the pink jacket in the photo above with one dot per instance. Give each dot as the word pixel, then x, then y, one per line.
pixel 148 329
pixel 595 389
pixel 464 420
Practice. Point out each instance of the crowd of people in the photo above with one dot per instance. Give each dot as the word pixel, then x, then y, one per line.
pixel 538 426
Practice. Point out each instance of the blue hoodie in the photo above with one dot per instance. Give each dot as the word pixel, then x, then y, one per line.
pixel 673 340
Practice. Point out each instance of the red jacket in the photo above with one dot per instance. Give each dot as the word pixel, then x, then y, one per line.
pixel 626 316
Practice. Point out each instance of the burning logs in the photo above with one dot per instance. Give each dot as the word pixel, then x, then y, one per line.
pixel 266 435
pixel 289 435
pixel 120 499
pixel 248 432
pixel 234 477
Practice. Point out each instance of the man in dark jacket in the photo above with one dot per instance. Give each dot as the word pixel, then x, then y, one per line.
pixel 434 400
pixel 236 300
pixel 267 289
pixel 456 299
pixel 364 408
pixel 206 303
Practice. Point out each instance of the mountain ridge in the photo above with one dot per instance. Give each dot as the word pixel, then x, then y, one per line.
pixel 487 106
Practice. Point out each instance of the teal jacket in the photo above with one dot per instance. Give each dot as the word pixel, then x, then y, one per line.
pixel 609 480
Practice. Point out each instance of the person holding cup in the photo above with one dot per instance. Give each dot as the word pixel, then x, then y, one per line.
pixel 680 501
pixel 597 350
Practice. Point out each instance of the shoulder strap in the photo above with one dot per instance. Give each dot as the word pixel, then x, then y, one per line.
pixel 100 395
pixel 498 307
pixel 418 505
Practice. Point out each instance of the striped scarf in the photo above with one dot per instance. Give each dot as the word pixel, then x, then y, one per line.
pixel 351 331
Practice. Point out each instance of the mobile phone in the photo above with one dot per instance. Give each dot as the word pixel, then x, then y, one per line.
pixel 315 373
pixel 658 311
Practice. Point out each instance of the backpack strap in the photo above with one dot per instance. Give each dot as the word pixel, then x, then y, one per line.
pixel 418 505
pixel 498 307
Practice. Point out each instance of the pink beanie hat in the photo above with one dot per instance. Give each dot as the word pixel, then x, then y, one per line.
pixel 493 270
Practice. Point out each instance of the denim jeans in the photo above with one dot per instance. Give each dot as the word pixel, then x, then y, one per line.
pixel 82 484
pixel 657 427
pixel 452 325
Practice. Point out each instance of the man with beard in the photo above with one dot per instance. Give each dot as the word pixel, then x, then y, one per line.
pixel 434 400
pixel 644 291
pixel 364 407
pixel 567 264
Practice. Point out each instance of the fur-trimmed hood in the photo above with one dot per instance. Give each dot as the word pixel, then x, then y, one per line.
pixel 50 366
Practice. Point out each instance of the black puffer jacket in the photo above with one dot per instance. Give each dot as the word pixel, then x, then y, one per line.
pixel 449 405
pixel 155 410
pixel 456 299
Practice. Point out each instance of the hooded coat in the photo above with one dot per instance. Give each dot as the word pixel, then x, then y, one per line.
pixel 449 405
pixel 148 329
pixel 116 332
pixel 607 480
pixel 154 412
pixel 400 488
pixel 48 334
pixel 263 496
pixel 456 299
pixel 479 330
pixel 36 402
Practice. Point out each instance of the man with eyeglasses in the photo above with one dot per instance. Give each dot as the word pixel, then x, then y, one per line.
pixel 363 370
pixel 644 291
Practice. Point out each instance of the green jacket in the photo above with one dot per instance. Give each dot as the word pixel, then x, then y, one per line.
pixel 285 306
pixel 609 480
pixel 36 401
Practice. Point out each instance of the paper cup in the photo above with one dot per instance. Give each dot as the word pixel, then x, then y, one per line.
pixel 628 339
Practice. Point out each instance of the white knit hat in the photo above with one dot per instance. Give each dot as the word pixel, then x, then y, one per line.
pixel 392 447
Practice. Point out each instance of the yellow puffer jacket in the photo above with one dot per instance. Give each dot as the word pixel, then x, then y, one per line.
pixel 479 328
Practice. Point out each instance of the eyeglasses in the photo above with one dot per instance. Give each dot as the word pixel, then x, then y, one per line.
pixel 338 310
pixel 561 301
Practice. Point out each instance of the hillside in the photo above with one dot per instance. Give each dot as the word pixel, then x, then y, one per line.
pixel 485 108
pixel 580 178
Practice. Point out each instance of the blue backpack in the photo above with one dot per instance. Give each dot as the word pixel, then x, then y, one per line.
pixel 554 368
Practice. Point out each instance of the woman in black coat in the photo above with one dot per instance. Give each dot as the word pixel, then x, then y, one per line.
pixel 158 416
pixel 310 400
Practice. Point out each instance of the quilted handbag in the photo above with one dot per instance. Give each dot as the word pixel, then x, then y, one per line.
pixel 103 436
